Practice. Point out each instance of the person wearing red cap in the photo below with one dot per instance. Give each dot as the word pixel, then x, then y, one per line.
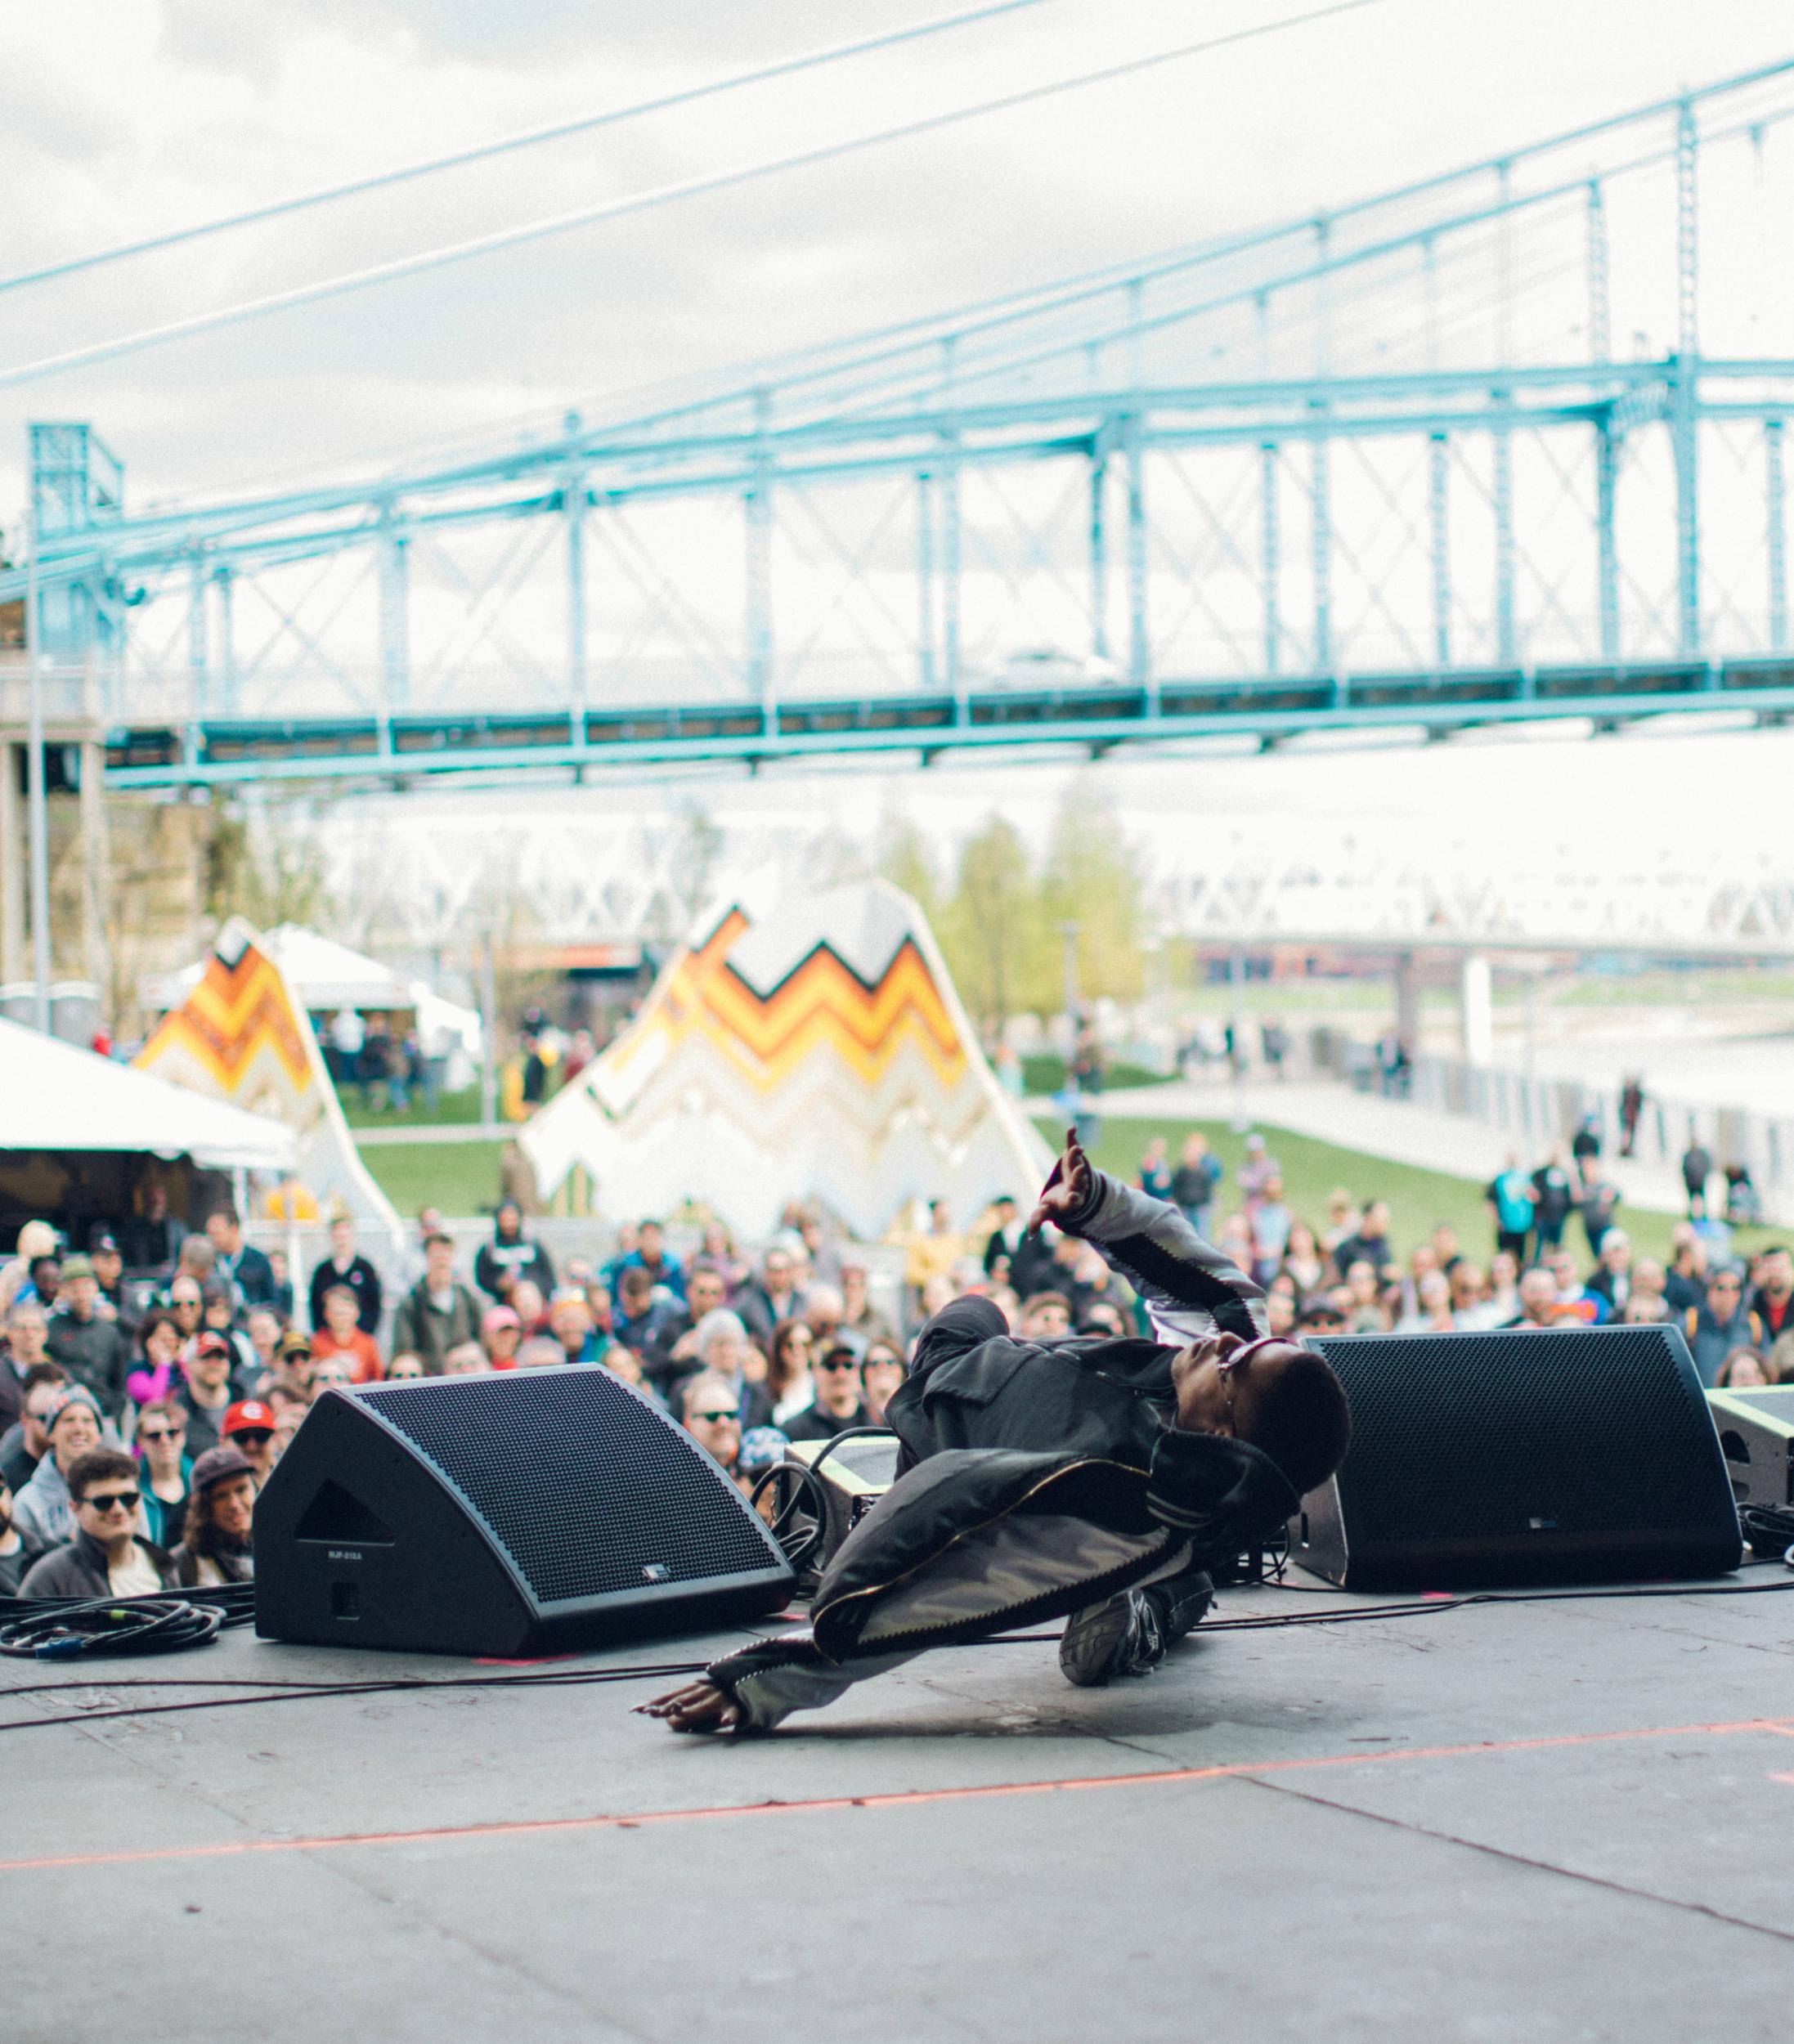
pixel 248 1427
pixel 216 1546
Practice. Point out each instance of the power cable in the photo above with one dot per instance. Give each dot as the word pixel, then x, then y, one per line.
pixel 643 201
pixel 527 138
pixel 581 1678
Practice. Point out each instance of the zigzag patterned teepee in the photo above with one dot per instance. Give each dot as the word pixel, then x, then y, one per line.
pixel 817 1052
pixel 241 1037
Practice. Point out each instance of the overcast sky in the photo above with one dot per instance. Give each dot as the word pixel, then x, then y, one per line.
pixel 121 117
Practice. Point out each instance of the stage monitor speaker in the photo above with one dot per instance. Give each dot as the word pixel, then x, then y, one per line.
pixel 1517 1457
pixel 520 1513
pixel 1757 1438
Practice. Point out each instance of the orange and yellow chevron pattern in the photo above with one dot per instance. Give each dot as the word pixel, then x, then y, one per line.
pixel 821 1005
pixel 237 1016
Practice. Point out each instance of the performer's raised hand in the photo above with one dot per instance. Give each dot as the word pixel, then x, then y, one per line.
pixel 1072 1181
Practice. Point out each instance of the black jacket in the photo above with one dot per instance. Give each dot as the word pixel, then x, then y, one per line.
pixel 499 1264
pixel 95 1353
pixel 1036 1477
pixel 78 1569
pixel 362 1278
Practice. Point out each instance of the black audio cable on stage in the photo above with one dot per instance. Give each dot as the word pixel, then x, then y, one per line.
pixel 278 1691
pixel 61 1629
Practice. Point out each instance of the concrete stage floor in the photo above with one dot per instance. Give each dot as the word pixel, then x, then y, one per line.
pixel 1553 1822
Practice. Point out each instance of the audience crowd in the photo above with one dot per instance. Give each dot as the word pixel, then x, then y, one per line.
pixel 136 1431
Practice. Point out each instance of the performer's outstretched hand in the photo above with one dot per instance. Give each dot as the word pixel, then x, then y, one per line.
pixel 701 1706
pixel 1073 1180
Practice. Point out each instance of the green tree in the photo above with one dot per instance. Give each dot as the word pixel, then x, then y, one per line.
pixel 268 876
pixel 904 859
pixel 998 940
pixel 1093 879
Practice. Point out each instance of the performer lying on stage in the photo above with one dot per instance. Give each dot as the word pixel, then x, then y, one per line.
pixel 1097 1476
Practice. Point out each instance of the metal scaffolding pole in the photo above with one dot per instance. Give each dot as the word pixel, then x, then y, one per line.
pixel 1321 545
pixel 395 614
pixel 229 695
pixel 1685 395
pixel 1139 667
pixel 573 509
pixel 36 795
pixel 1099 545
pixel 760 566
pixel 1502 451
pixel 925 579
pixel 1270 557
pixel 953 672
pixel 1608 447
pixel 1600 314
pixel 199 649
pixel 1775 491
pixel 1438 506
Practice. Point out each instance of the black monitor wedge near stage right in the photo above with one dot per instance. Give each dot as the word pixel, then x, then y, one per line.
pixel 1518 1458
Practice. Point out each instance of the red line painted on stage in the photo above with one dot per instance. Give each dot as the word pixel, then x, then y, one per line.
pixel 898 1800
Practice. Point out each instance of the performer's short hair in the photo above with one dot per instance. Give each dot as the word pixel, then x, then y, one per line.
pixel 1303 1421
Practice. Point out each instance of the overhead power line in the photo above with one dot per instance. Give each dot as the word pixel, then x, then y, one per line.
pixel 528 138
pixel 642 202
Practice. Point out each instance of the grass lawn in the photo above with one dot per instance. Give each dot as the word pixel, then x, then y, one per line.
pixel 464 1106
pixel 460 1178
pixel 1418 1198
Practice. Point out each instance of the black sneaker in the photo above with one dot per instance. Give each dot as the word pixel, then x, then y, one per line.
pixel 1125 1636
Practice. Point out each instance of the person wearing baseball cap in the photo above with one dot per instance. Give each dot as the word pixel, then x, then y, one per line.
pixel 501 1332
pixel 43 1512
pixel 209 1391
pixel 108 1261
pixel 248 1427
pixel 84 1336
pixel 217 1546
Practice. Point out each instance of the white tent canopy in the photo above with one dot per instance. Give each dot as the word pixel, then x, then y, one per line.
pixel 53 1096
pixel 321 973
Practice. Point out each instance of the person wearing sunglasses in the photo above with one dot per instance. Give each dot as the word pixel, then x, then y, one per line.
pixel 880 1372
pixel 1093 1478
pixel 248 1427
pixel 166 1468
pixel 107 1557
pixel 838 1403
pixel 711 1414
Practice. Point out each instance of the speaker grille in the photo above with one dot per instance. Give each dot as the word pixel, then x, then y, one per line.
pixel 571 1469
pixel 1471 1437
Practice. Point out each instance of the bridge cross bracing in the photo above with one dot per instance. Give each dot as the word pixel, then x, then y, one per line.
pixel 1505 445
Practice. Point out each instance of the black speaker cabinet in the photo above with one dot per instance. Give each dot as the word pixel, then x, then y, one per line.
pixel 1756 1437
pixel 519 1513
pixel 1520 1457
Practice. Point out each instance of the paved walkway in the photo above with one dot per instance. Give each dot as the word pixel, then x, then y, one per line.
pixel 392 1134
pixel 1396 1129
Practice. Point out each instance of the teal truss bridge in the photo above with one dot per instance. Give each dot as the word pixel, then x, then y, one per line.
pixel 1503 446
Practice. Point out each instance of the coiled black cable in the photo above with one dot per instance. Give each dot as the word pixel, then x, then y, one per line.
pixel 109 1626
